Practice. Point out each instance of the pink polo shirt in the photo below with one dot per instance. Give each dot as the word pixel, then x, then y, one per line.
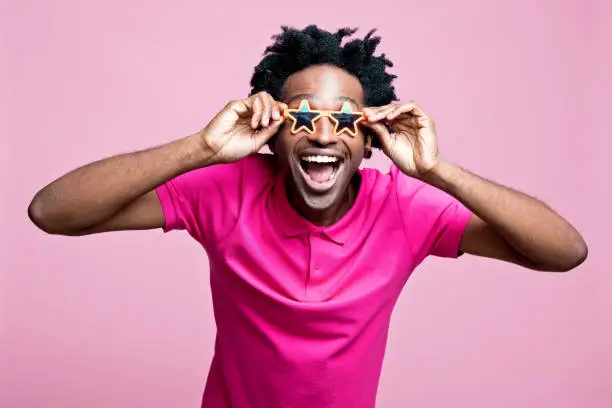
pixel 303 312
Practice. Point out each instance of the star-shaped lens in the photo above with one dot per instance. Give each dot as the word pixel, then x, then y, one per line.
pixel 303 118
pixel 346 120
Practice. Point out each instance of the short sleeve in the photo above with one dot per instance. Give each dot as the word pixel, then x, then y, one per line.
pixel 434 220
pixel 205 202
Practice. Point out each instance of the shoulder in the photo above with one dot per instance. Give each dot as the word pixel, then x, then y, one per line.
pixel 409 192
pixel 260 165
pixel 207 201
pixel 433 219
pixel 254 167
pixel 392 180
pixel 259 173
pixel 218 186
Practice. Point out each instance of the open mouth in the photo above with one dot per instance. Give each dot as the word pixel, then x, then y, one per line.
pixel 320 171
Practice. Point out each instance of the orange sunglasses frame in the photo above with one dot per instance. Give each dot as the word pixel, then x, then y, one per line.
pixel 305 107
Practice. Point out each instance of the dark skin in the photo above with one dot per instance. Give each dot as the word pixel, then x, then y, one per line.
pixel 326 88
pixel 117 193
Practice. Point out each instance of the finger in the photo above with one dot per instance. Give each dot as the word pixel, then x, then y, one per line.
pixel 418 111
pixel 276 110
pixel 411 117
pixel 401 127
pixel 404 118
pixel 417 122
pixel 385 112
pixel 372 110
pixel 277 115
pixel 381 113
pixel 242 107
pixel 400 109
pixel 257 111
pixel 282 109
pixel 424 121
pixel 411 108
pixel 267 109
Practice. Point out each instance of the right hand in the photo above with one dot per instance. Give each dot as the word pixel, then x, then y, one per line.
pixel 243 127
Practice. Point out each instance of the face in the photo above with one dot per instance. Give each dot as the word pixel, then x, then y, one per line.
pixel 319 166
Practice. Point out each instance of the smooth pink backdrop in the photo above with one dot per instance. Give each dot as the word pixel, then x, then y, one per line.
pixel 520 91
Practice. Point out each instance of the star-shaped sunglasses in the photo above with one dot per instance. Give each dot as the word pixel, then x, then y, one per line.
pixel 304 118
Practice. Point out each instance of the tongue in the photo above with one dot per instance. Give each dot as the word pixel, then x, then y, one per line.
pixel 320 172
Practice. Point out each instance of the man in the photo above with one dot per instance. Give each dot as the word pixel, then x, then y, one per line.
pixel 308 252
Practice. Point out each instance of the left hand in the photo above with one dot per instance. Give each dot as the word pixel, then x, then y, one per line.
pixel 413 146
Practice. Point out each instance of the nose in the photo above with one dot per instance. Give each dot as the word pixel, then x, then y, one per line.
pixel 324 132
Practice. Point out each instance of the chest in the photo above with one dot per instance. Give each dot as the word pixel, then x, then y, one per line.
pixel 312 266
pixel 306 297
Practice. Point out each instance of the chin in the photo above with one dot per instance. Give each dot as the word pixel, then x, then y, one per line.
pixel 320 202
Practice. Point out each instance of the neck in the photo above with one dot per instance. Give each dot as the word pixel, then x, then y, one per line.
pixel 332 214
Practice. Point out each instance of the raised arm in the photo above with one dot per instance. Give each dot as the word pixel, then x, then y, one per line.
pixel 118 193
pixel 506 224
pixel 114 193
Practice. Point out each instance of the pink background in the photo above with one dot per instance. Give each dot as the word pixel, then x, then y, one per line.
pixel 520 91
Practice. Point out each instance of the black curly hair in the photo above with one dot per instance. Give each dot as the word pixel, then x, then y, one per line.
pixel 294 50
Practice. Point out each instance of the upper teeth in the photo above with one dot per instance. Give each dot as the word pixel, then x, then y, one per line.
pixel 320 159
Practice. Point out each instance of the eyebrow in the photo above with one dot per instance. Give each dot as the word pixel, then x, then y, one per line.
pixel 312 96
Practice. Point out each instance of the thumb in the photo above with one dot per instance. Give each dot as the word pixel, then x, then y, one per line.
pixel 242 107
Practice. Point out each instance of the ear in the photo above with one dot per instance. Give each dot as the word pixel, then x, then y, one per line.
pixel 272 145
pixel 367 146
pixel 273 141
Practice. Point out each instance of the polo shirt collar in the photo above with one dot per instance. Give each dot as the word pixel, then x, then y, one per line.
pixel 293 224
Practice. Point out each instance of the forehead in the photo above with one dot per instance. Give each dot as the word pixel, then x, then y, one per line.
pixel 326 85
